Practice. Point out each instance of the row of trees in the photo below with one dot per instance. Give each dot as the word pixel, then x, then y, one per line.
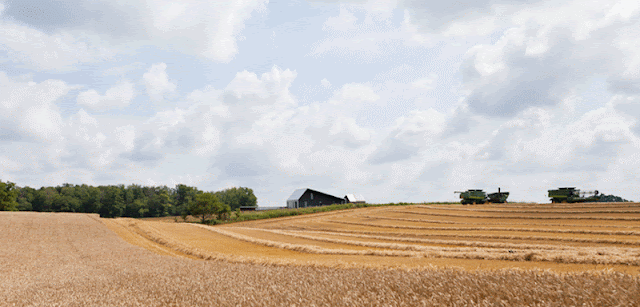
pixel 122 201
pixel 612 199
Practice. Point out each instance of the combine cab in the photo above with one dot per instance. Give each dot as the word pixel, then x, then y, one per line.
pixel 573 195
pixel 472 197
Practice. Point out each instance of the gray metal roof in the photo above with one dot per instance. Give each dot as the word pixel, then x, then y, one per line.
pixel 354 197
pixel 297 194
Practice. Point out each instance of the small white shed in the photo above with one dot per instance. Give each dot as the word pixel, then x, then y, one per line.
pixel 354 198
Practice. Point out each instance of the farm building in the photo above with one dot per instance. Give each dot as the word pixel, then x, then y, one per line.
pixel 303 198
pixel 354 198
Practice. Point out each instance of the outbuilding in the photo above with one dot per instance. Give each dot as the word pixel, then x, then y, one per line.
pixel 303 198
pixel 354 198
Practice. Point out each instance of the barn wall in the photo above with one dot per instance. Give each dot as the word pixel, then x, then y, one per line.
pixel 318 199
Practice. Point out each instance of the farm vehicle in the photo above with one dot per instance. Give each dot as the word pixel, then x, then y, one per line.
pixel 480 197
pixel 573 195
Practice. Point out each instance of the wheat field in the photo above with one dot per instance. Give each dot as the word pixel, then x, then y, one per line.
pixel 380 256
pixel 574 239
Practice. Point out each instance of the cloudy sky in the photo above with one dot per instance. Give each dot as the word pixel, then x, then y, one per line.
pixel 398 100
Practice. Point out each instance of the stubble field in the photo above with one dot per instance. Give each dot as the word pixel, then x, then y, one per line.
pixel 562 238
pixel 491 255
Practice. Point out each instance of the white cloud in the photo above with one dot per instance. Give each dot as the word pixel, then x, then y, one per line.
pixel 126 136
pixel 522 99
pixel 86 144
pixel 409 136
pixel 67 35
pixel 325 83
pixel 121 71
pixel 41 51
pixel 208 142
pixel 184 25
pixel 425 83
pixel 381 8
pixel 274 84
pixel 157 82
pixel 8 164
pixel 27 109
pixel 345 21
pixel 354 93
pixel 118 96
pixel 480 27
pixel 546 58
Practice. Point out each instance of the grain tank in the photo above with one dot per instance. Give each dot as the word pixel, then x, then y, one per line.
pixel 498 198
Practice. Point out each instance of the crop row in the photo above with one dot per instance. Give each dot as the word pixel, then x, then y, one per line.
pixel 494 224
pixel 566 206
pixel 465 234
pixel 533 211
pixel 471 228
pixel 604 218
pixel 626 257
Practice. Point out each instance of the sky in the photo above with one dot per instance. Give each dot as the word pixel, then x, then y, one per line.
pixel 397 100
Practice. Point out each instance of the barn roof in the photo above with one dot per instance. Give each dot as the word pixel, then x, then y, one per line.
pixel 297 194
pixel 352 198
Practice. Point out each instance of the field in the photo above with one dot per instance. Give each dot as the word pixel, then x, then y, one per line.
pixel 422 255
pixel 564 238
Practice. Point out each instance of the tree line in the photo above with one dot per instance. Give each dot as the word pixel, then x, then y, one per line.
pixel 611 199
pixel 125 201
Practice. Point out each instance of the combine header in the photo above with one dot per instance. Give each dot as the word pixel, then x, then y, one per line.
pixel 480 197
pixel 573 195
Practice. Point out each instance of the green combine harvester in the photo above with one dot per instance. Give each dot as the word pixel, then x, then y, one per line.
pixel 480 197
pixel 573 195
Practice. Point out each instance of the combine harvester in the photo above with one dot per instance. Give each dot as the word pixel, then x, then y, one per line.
pixel 480 197
pixel 573 195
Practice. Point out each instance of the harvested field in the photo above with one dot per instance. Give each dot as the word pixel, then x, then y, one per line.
pixel 57 259
pixel 591 237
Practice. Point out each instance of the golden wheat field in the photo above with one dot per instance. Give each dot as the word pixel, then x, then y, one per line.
pixel 421 255
pixel 562 238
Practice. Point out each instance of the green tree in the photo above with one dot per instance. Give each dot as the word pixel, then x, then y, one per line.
pixel 238 197
pixel 67 201
pixel 611 198
pixel 183 198
pixel 138 208
pixel 25 198
pixel 112 202
pixel 8 196
pixel 137 201
pixel 205 206
pixel 90 198
pixel 160 203
pixel 44 199
pixel 223 211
